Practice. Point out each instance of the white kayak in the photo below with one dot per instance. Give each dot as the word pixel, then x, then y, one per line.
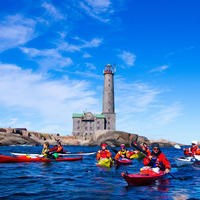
pixel 189 160
pixel 60 154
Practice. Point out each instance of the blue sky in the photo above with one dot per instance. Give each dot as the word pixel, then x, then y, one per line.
pixel 52 55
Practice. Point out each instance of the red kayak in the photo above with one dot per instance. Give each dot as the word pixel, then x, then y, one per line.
pixel 15 159
pixel 123 161
pixel 142 179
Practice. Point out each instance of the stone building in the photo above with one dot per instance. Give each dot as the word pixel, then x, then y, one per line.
pixel 85 124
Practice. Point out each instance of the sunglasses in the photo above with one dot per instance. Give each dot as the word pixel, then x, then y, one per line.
pixel 156 148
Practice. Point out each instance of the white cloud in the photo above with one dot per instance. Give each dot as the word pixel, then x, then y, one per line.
pixel 140 96
pixel 160 69
pixel 90 66
pixel 127 57
pixel 52 10
pixel 99 9
pixel 66 47
pixel 140 110
pixel 49 58
pixel 86 55
pixel 167 114
pixel 34 100
pixel 15 31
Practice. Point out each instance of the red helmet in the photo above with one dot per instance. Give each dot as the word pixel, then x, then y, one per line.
pixel 104 145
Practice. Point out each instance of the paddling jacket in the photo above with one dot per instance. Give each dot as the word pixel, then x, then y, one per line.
pixel 57 148
pixel 103 154
pixel 193 150
pixel 160 161
pixel 121 153
pixel 45 152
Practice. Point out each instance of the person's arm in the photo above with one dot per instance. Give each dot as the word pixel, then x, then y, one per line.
pixel 98 155
pixel 117 156
pixel 166 163
pixel 147 160
pixel 109 154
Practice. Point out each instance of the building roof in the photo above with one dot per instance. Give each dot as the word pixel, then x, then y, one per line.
pixel 79 115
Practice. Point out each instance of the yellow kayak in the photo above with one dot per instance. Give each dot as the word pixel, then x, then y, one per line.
pixel 105 162
pixel 138 155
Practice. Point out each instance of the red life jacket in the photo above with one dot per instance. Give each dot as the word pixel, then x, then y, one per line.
pixel 103 154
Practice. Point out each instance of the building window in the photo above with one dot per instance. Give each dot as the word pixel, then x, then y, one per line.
pixel 108 128
pixel 90 128
pixel 108 122
pixel 98 122
pixel 78 127
pixel 86 128
pixel 78 121
pixel 98 127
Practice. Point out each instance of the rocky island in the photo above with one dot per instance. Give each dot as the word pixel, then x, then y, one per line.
pixel 22 136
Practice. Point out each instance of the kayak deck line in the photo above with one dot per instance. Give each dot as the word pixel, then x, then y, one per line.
pixel 60 154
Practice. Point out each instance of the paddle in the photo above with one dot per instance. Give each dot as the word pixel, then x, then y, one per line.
pixel 180 178
pixel 137 146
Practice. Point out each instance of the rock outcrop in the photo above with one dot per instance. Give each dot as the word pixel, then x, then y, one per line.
pixel 113 138
pixel 21 136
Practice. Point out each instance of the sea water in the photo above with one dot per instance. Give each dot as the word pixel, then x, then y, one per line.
pixel 84 180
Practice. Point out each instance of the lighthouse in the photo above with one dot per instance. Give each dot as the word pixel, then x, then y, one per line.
pixel 108 98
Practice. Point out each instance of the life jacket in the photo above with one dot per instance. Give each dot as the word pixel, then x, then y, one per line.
pixel 103 154
pixel 120 153
pixel 198 151
pixel 59 149
pixel 159 161
pixel 191 151
pixel 45 152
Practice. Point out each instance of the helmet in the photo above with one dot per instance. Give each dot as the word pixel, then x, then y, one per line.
pixel 194 142
pixel 122 145
pixel 104 145
pixel 155 145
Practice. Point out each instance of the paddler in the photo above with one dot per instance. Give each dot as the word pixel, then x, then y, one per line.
pixel 193 150
pixel 122 153
pixel 58 148
pixel 103 152
pixel 46 150
pixel 157 160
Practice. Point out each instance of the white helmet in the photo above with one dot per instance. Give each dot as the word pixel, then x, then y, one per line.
pixel 194 142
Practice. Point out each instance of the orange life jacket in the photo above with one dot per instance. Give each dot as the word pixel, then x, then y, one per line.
pixel 103 154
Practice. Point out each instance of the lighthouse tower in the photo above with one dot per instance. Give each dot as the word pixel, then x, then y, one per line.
pixel 108 98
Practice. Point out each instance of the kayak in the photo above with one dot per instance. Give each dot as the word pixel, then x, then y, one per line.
pixel 197 157
pixel 23 158
pixel 60 154
pixel 183 161
pixel 142 179
pixel 123 161
pixel 105 162
pixel 138 155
